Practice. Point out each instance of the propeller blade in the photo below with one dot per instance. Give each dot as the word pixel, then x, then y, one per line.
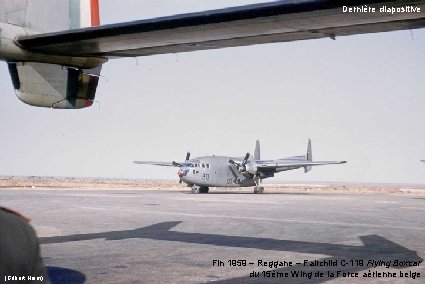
pixel 233 173
pixel 246 159
pixel 188 154
pixel 242 167
pixel 176 164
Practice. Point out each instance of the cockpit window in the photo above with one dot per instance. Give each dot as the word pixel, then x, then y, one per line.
pixel 199 166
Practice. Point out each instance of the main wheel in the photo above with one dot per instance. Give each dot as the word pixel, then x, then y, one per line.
pixel 258 189
pixel 204 190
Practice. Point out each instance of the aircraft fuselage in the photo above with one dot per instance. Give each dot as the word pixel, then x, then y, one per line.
pixel 214 171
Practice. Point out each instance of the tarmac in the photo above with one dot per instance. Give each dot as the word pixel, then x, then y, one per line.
pixel 226 236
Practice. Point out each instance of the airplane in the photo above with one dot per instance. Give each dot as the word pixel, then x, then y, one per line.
pixel 201 173
pixel 55 49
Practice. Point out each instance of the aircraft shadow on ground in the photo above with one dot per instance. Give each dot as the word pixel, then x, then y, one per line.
pixel 374 248
pixel 60 275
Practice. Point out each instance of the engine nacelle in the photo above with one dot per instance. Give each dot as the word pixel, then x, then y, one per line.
pixel 47 80
pixel 251 167
pixel 53 86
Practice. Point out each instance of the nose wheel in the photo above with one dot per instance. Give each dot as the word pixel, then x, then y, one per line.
pixel 199 189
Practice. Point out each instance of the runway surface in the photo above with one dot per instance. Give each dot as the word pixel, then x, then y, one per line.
pixel 172 236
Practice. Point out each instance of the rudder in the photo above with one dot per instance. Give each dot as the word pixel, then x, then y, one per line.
pixel 308 156
pixel 256 153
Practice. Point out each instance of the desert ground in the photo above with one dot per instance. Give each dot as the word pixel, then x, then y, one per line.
pixel 32 182
pixel 149 231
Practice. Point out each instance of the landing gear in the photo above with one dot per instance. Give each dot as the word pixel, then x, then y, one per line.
pixel 257 188
pixel 199 189
pixel 204 190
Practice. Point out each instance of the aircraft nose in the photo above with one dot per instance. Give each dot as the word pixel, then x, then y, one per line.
pixel 181 173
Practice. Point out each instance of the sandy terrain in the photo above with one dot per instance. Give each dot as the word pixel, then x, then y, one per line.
pixel 32 182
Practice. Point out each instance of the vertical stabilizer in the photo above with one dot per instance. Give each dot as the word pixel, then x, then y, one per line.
pixel 13 12
pixel 43 16
pixel 308 155
pixel 84 13
pixel 256 153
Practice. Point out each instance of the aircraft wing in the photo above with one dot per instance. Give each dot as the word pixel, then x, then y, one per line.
pixel 279 21
pixel 285 165
pixel 164 164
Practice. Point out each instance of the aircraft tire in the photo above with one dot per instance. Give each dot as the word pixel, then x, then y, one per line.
pixel 258 190
pixel 204 190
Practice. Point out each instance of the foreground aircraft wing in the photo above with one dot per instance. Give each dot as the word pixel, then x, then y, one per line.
pixel 55 61
pixel 280 21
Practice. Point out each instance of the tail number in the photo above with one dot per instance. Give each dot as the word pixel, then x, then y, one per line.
pixel 206 177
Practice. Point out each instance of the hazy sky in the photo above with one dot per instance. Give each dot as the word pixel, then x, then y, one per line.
pixel 359 98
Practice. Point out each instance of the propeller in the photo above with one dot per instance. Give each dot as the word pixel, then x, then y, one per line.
pixel 181 172
pixel 241 167
pixel 176 164
pixel 234 174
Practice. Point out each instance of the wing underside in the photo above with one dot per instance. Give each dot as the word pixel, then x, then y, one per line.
pixel 279 21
